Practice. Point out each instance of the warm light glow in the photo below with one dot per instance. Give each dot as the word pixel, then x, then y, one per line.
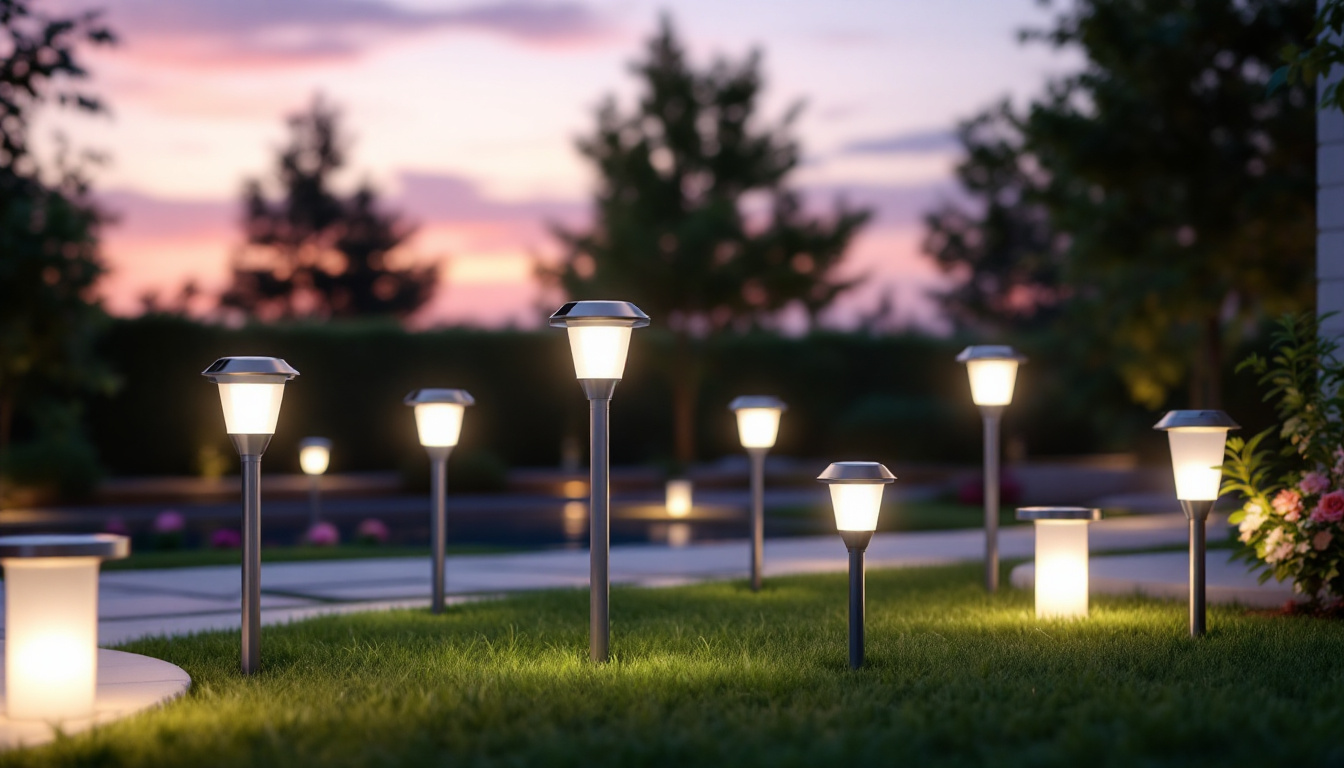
pixel 599 350
pixel 574 519
pixel 992 381
pixel 679 498
pixel 51 637
pixel 251 408
pixel 758 427
pixel 856 505
pixel 678 535
pixel 1061 569
pixel 1197 460
pixel 313 459
pixel 439 424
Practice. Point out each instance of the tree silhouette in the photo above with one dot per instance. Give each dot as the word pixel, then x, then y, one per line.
pixel 49 258
pixel 694 222
pixel 314 253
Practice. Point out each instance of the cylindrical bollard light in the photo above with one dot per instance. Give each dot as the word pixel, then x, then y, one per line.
pixel 680 497
pixel 599 338
pixel 1198 440
pixel 314 458
pixel 856 497
pixel 993 373
pixel 250 391
pixel 51 622
pixel 757 428
pixel 438 422
pixel 1061 559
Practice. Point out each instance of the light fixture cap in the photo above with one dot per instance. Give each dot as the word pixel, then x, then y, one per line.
pixel 757 401
pixel 259 369
pixel 453 396
pixel 108 546
pixel 314 442
pixel 612 313
pixel 1058 513
pixel 1196 419
pixel 866 472
pixel 990 352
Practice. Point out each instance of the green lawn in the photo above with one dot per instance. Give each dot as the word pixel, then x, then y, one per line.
pixel 184 558
pixel 712 675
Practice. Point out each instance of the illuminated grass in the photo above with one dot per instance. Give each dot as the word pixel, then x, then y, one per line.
pixel 715 675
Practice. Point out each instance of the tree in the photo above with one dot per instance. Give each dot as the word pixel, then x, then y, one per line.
pixel 694 221
pixel 315 253
pixel 49 259
pixel 1179 195
pixel 1303 64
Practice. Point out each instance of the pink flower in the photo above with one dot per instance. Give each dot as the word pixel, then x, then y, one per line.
pixel 1287 503
pixel 169 521
pixel 116 525
pixel 1314 483
pixel 323 535
pixel 1322 540
pixel 372 531
pixel 226 538
pixel 1330 509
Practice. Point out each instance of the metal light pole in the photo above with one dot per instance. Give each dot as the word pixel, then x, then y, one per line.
pixel 314 458
pixel 438 422
pixel 856 497
pixel 757 428
pixel 599 338
pixel 1198 440
pixel 993 372
pixel 250 391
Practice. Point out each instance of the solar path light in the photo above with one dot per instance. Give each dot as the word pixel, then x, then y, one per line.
pixel 757 428
pixel 679 499
pixel 599 337
pixel 993 372
pixel 438 421
pixel 1061 559
pixel 1197 441
pixel 51 622
pixel 250 390
pixel 314 458
pixel 856 496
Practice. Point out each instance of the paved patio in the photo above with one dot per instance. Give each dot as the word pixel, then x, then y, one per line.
pixel 184 600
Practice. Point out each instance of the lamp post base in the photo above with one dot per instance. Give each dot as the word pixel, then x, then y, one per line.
pixel 1197 512
pixel 856 542
pixel 599 392
pixel 992 415
pixel 757 456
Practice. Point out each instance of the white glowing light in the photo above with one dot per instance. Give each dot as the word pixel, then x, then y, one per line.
pixel 51 637
pixel 679 498
pixel 1061 569
pixel 758 427
pixel 314 459
pixel 1197 461
pixel 992 380
pixel 856 505
pixel 439 424
pixel 251 408
pixel 599 350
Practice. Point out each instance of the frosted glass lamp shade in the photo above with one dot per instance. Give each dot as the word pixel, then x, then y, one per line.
pixel 1061 569
pixel 856 493
pixel 993 373
pixel 758 427
pixel 314 455
pixel 1197 440
pixel 599 335
pixel 51 623
pixel 439 424
pixel 679 498
pixel 599 350
pixel 250 391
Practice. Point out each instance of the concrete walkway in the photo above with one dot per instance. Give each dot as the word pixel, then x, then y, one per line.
pixel 184 600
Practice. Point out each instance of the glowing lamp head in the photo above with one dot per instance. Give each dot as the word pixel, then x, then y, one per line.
pixel 757 419
pixel 1197 441
pixel 599 335
pixel 679 497
pixel 1061 559
pixel 856 493
pixel 993 373
pixel 314 455
pixel 51 622
pixel 438 415
pixel 250 389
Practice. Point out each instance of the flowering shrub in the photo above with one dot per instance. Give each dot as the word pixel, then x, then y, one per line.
pixel 322 535
pixel 226 538
pixel 1291 522
pixel 168 528
pixel 371 531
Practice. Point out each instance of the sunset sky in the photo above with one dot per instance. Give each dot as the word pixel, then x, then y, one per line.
pixel 464 114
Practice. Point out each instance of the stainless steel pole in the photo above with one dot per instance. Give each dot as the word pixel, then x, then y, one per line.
pixel 251 468
pixel 599 625
pixel 757 515
pixel 856 607
pixel 992 416
pixel 314 500
pixel 438 527
pixel 1196 577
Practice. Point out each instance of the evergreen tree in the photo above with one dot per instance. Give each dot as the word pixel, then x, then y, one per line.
pixel 315 253
pixel 694 220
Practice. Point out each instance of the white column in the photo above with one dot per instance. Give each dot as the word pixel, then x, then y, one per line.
pixel 1330 214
